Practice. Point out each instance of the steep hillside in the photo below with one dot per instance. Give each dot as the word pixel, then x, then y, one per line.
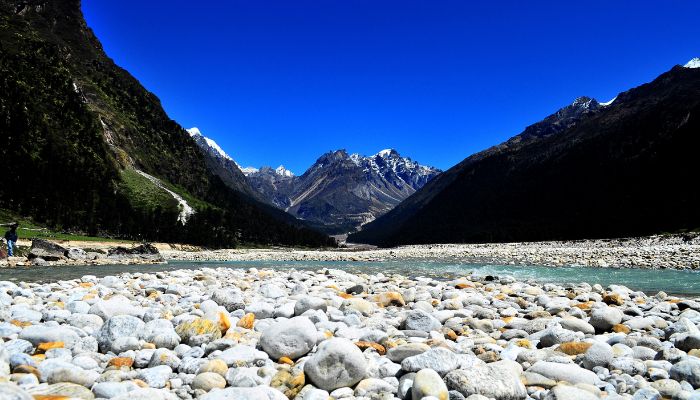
pixel 621 169
pixel 342 191
pixel 86 147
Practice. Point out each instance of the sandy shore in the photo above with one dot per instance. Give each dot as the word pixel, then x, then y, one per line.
pixel 680 252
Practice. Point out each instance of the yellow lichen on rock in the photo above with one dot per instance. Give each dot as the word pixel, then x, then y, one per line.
pixel 246 321
pixel 198 326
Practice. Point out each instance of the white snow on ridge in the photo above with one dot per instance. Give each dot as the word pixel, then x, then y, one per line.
pixel 186 211
pixel 384 152
pixel 194 131
pixel 607 103
pixel 694 63
pixel 282 171
pixel 248 170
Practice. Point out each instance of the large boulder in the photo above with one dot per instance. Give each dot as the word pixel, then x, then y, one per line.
pixel 337 363
pixel 687 370
pixel 499 380
pixel 419 320
pixel 144 251
pixel 41 334
pixel 571 373
pixel 604 318
pixel 119 326
pixel 46 250
pixel 291 338
pixel 428 383
pixel 245 393
pixel 440 360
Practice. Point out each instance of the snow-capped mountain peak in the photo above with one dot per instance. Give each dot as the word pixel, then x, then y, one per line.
pixel 196 134
pixel 694 63
pixel 248 170
pixel 386 153
pixel 282 171
pixel 584 103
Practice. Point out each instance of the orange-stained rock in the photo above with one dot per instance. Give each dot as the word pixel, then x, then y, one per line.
pixel 247 321
pixel 450 334
pixel 39 357
pixel 464 285
pixel 584 306
pixel 389 299
pixel 148 346
pixel 366 345
pixel 285 360
pixel 140 383
pixel 85 284
pixel 224 321
pixel 43 347
pixel 573 348
pixel 619 328
pixel 121 362
pixel 613 299
pixel 21 324
pixel 50 397
pixel 27 369
pixel 345 295
pixel 523 343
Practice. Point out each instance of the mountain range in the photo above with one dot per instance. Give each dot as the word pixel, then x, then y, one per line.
pixel 338 194
pixel 87 148
pixel 590 170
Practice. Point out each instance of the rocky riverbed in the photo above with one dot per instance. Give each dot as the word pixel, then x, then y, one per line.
pixel 658 252
pixel 266 335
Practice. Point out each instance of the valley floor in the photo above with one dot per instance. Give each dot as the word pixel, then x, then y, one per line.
pixel 667 251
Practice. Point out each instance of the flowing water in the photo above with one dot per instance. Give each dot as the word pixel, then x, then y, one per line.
pixel 678 282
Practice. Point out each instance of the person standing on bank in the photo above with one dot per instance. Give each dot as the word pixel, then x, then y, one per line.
pixel 11 237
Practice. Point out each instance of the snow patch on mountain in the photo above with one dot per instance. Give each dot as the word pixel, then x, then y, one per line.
pixel 248 170
pixel 282 171
pixel 186 211
pixel 694 63
pixel 607 103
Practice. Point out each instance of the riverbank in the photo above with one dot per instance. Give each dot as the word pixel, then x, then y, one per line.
pixel 658 252
pixel 221 334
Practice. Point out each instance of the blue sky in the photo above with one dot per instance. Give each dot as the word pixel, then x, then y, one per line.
pixel 281 82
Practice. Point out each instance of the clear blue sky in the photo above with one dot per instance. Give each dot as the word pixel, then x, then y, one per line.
pixel 281 82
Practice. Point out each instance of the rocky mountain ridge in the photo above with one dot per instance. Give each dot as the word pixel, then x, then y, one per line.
pixel 337 194
pixel 589 170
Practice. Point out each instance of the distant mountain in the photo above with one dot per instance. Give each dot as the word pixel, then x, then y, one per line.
pixel 622 168
pixel 221 163
pixel 342 191
pixel 87 148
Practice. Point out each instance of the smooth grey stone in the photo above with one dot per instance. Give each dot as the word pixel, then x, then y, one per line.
pixel 337 363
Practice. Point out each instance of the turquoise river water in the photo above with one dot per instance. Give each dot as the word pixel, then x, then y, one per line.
pixel 678 282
